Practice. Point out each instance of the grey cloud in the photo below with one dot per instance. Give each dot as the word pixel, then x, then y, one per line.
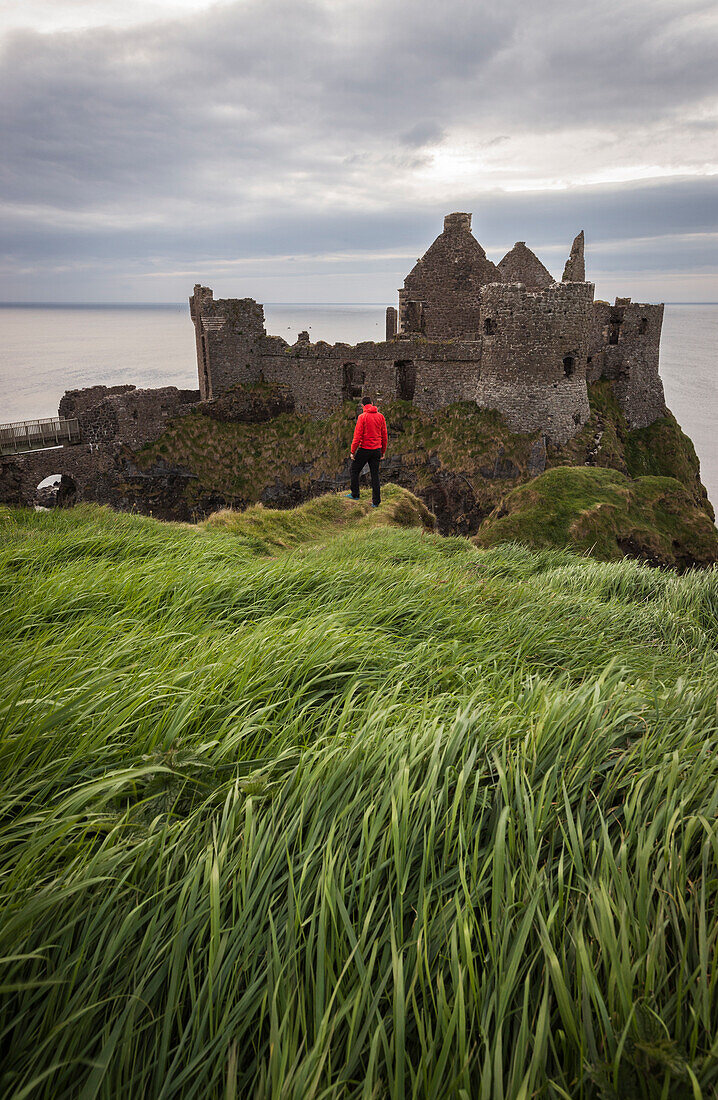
pixel 548 220
pixel 275 126
pixel 290 82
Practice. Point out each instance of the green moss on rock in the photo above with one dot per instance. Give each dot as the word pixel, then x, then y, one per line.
pixel 603 513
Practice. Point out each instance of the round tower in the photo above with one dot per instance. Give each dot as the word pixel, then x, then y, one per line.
pixel 535 347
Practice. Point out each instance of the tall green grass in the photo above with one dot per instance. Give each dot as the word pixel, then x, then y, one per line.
pixel 374 816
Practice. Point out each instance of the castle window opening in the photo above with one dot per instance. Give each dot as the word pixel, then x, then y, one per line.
pixel 613 334
pixel 489 327
pixel 405 380
pixel 569 365
pixel 352 382
pixel 643 326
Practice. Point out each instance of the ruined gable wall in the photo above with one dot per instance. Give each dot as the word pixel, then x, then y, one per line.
pixel 626 341
pixel 526 338
pixel 521 265
pixel 448 280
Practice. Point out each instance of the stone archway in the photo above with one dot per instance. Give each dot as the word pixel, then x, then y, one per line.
pixel 56 491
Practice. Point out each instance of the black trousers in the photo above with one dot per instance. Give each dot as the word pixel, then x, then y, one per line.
pixel 359 461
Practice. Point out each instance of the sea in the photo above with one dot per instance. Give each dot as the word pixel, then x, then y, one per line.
pixel 49 349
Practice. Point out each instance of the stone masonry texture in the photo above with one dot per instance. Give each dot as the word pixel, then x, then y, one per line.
pixel 520 265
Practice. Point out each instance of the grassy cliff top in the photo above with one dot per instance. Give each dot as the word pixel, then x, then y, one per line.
pixel 326 805
pixel 601 512
pixel 458 451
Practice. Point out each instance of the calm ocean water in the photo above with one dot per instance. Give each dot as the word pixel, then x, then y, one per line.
pixel 47 350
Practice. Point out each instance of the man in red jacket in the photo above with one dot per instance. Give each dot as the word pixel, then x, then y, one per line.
pixel 368 446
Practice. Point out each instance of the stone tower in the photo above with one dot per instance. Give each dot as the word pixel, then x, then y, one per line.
pixel 228 335
pixel 534 356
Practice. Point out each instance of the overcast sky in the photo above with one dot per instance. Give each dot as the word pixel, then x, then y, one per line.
pixel 307 150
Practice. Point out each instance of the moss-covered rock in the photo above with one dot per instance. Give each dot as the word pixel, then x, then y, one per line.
pixel 660 450
pixel 603 513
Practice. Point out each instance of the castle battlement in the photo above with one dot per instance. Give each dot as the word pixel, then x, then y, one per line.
pixel 507 336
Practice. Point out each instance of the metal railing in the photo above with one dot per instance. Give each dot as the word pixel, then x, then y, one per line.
pixel 34 435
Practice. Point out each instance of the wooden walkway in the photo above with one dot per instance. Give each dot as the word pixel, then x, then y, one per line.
pixel 35 435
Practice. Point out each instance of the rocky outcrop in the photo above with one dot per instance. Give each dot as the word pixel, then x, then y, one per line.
pixel 462 461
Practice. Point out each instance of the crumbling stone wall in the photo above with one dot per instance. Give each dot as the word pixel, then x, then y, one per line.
pixel 534 357
pixel 431 373
pixel 575 268
pixel 625 348
pixel 93 470
pixel 447 280
pixel 113 420
pixel 76 402
pixel 124 413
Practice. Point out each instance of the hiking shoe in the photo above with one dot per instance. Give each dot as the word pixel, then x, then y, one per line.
pixel 350 497
pixel 375 505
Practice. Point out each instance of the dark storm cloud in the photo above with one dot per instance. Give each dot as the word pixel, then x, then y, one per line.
pixel 275 126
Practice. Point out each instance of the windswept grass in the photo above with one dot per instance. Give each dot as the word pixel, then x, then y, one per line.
pixel 372 815
pixel 320 519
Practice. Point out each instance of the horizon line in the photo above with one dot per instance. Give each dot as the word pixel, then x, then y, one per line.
pixel 185 304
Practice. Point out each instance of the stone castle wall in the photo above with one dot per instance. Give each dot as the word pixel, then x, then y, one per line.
pixel 446 284
pixel 535 351
pixel 113 420
pixel 625 347
pixel 530 360
pixel 463 332
pixel 227 333
pixel 125 414
pixel 321 376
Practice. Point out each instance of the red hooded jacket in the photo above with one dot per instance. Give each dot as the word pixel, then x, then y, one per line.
pixel 370 432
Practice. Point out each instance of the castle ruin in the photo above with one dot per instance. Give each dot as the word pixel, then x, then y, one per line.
pixel 506 336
